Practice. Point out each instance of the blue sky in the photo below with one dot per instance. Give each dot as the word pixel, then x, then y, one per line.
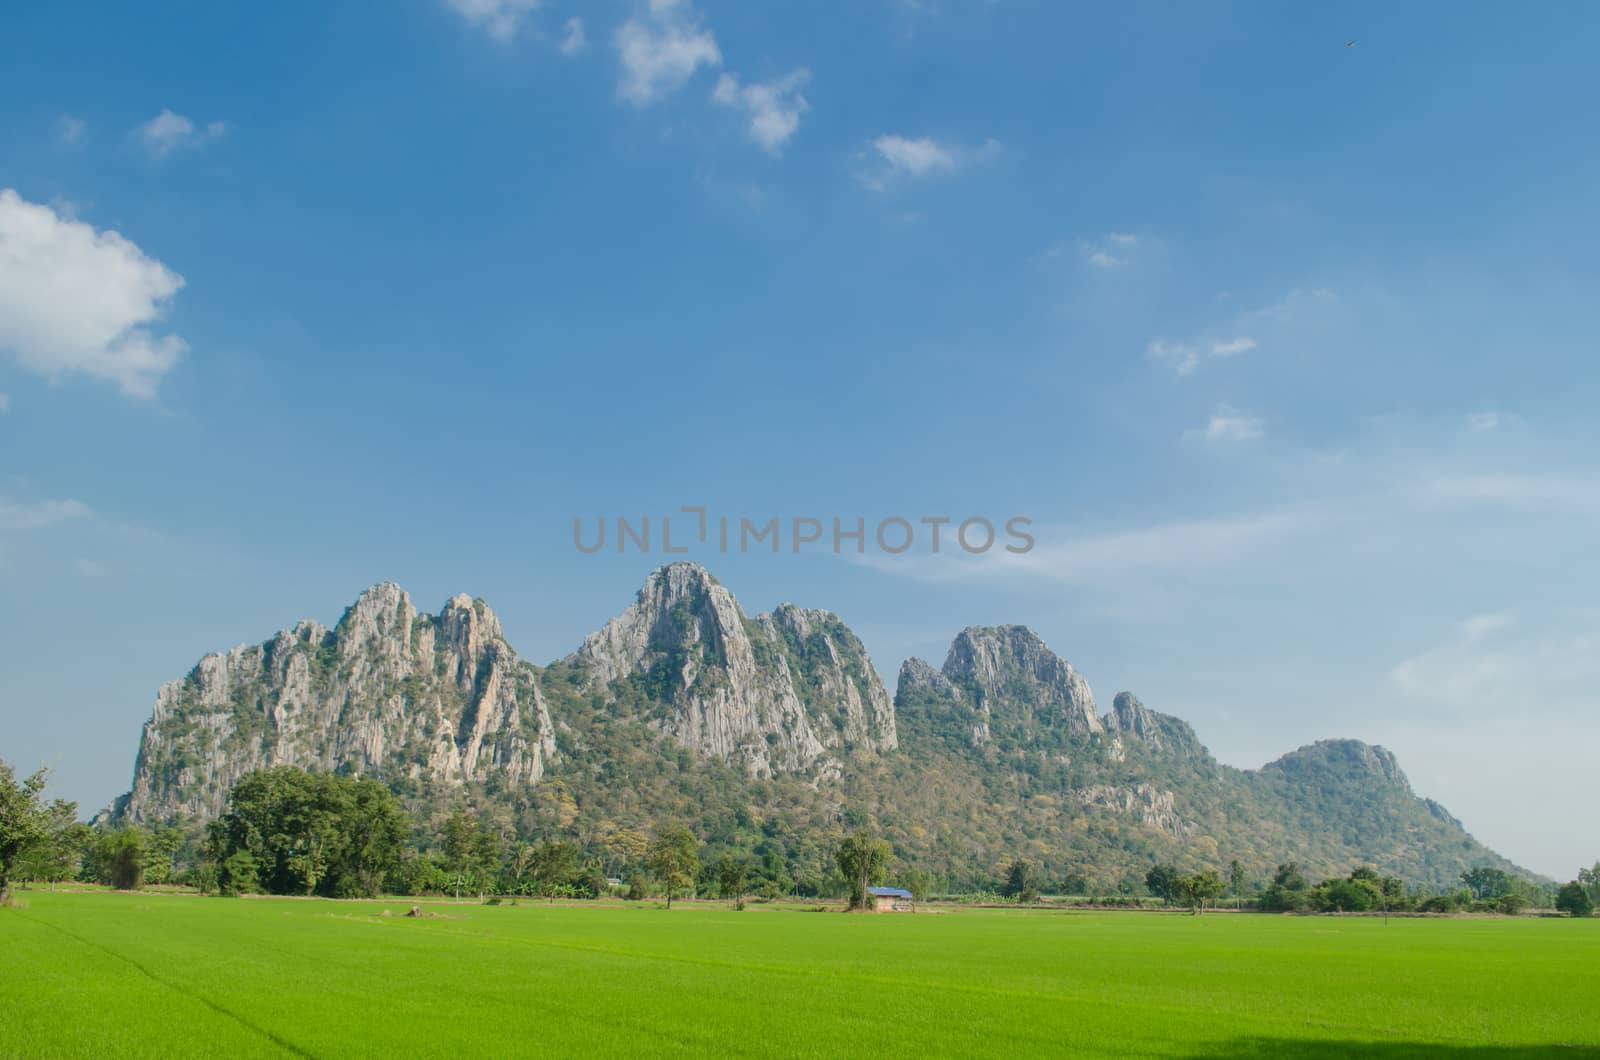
pixel 1286 347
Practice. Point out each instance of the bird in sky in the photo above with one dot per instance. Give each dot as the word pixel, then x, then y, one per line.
pixel 1349 44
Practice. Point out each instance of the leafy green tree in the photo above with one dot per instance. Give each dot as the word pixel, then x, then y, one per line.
pixel 1074 882
pixel 1288 891
pixel 122 858
pixel 1158 881
pixel 674 859
pixel 161 855
pixel 1238 879
pixel 862 862
pixel 460 846
pixel 59 852
pixel 24 822
pixel 1485 882
pixel 1019 881
pixel 1573 900
pixel 730 878
pixel 1589 880
pixel 288 831
pixel 919 883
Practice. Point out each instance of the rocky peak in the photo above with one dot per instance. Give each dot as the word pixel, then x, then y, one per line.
pixel 1013 674
pixel 777 693
pixel 1131 719
pixel 388 692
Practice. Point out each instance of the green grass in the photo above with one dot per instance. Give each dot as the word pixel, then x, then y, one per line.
pixel 115 975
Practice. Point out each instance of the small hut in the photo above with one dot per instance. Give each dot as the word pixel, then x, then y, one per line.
pixel 891 900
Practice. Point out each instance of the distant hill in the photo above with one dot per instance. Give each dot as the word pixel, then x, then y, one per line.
pixel 773 734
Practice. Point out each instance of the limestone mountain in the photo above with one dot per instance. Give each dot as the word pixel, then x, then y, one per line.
pixel 771 735
pixel 787 692
pixel 388 691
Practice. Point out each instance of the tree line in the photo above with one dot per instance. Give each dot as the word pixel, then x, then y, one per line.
pixel 292 832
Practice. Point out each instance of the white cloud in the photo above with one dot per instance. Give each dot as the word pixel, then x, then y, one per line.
pixel 76 300
pixel 5 403
pixel 1228 425
pixel 661 49
pixel 915 158
pixel 167 132
pixel 501 19
pixel 1541 491
pixel 40 515
pixel 774 107
pixel 1486 670
pixel 1179 547
pixel 89 568
pixel 573 39
pixel 1184 358
pixel 894 157
pixel 1486 421
pixel 1111 251
pixel 1233 347
pixel 70 131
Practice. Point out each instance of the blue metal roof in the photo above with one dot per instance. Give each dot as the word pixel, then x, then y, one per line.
pixel 888 892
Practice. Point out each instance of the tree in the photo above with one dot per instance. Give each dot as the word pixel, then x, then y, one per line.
pixel 1238 880
pixel 1019 883
pixel 862 861
pixel 458 846
pixel 1288 890
pixel 1158 881
pixel 919 883
pixel 674 859
pixel 1590 881
pixel 1573 900
pixel 1196 890
pixel 23 821
pixel 1485 883
pixel 730 878
pixel 288 831
pixel 57 855
pixel 122 858
pixel 1074 883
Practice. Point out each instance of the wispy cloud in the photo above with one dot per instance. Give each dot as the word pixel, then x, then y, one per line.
pixel 1233 347
pixel 1482 422
pixel 661 49
pixel 500 19
pixel 1182 356
pixel 773 107
pixel 71 131
pixel 73 299
pixel 1111 251
pixel 1486 669
pixel 1228 425
pixel 1573 492
pixel 40 515
pixel 168 131
pixel 1185 546
pixel 574 41
pixel 1185 357
pixel 892 157
pixel 5 403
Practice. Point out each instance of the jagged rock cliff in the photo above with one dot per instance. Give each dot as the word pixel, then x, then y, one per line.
pixel 388 691
pixel 786 692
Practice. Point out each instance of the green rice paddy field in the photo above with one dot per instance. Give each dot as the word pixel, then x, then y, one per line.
pixel 118 975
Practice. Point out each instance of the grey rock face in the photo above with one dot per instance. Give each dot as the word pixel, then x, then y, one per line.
pixel 1016 677
pixel 786 692
pixel 1133 721
pixel 389 692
